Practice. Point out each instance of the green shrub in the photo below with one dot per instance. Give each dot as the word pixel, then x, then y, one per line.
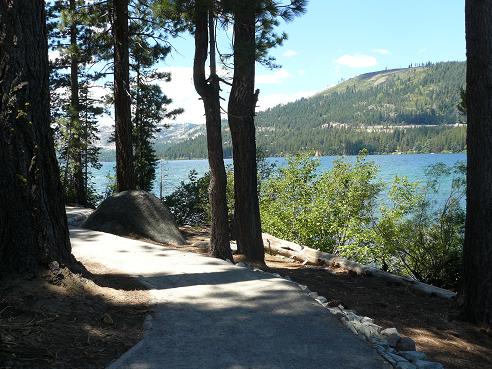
pixel 342 211
pixel 420 238
pixel 332 212
pixel 189 202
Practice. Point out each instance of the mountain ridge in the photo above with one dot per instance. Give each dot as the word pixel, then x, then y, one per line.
pixel 387 111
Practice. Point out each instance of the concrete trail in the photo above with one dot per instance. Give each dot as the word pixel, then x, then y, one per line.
pixel 211 314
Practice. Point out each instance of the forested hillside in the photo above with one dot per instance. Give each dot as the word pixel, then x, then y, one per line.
pixel 421 96
pixel 400 110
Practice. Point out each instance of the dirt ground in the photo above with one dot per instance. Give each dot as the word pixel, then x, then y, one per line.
pixel 62 320
pixel 429 321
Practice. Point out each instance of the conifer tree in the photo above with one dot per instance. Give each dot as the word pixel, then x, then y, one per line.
pixel 204 21
pixel 477 255
pixel 148 46
pixel 33 225
pixel 254 36
pixel 73 39
pixel 125 171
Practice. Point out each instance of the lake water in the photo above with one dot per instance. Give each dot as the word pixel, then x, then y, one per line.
pixel 411 165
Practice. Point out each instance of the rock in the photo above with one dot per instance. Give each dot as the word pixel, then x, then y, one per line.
pixel 313 294
pixel 405 365
pixel 336 311
pixel 379 344
pixel 321 299
pixel 370 330
pixel 391 336
pixel 241 265
pixel 412 356
pixel 366 319
pixel 349 325
pixel 136 213
pixel 405 344
pixel 357 325
pixel 303 287
pixel 352 316
pixel 422 364
pixel 277 275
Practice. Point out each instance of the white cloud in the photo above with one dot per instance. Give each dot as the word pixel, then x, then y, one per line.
pixel 273 78
pixel 182 91
pixel 381 51
pixel 53 55
pixel 271 100
pixel 357 61
pixel 290 53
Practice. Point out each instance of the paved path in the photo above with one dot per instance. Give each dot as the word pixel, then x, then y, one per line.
pixel 211 314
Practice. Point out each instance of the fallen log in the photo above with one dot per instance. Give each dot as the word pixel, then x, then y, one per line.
pixel 307 255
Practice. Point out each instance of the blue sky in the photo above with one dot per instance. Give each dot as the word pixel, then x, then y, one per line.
pixel 337 40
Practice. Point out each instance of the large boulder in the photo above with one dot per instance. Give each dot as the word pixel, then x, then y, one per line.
pixel 137 214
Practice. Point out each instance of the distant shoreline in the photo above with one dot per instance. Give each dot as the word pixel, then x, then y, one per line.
pixel 337 155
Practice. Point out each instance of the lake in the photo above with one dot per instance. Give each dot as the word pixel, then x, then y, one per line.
pixel 411 165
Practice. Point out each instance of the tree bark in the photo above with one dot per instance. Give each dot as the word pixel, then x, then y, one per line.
pixel 241 112
pixel 33 225
pixel 209 92
pixel 79 183
pixel 477 286
pixel 125 173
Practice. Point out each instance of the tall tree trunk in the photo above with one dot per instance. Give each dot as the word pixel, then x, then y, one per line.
pixel 137 136
pixel 80 193
pixel 125 173
pixel 209 92
pixel 477 287
pixel 241 111
pixel 33 225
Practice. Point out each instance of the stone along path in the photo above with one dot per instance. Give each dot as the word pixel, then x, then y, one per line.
pixel 211 314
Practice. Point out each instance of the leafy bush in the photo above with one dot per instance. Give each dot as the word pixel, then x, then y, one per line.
pixel 418 237
pixel 343 211
pixel 189 202
pixel 332 212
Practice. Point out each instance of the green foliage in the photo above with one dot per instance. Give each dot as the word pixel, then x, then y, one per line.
pixel 341 211
pixel 111 185
pixel 416 236
pixel 189 202
pixel 331 212
pixel 422 96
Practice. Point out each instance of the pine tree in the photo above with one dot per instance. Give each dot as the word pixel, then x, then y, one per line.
pixel 33 225
pixel 204 21
pixel 477 256
pixel 148 46
pixel 125 171
pixel 72 37
pixel 254 23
